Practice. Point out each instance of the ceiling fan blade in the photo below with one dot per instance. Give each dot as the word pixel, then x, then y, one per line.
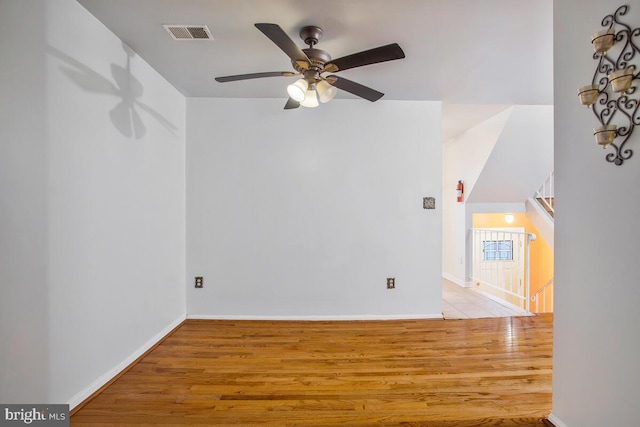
pixel 372 56
pixel 283 41
pixel 355 88
pixel 255 76
pixel 291 104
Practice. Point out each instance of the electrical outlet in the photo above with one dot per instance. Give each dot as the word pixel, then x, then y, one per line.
pixel 391 282
pixel 199 282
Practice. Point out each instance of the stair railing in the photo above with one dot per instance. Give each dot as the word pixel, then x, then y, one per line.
pixel 500 264
pixel 542 294
pixel 545 194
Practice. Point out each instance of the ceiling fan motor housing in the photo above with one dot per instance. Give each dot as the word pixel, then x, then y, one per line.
pixel 317 57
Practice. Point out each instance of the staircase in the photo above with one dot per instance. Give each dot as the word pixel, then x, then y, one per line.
pixel 544 196
pixel 542 300
pixel 547 204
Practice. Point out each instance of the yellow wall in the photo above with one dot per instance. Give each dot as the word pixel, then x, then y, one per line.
pixel 541 255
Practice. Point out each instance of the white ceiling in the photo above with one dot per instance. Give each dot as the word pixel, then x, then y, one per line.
pixel 470 52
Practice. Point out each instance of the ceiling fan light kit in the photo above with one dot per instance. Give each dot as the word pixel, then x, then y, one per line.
pixel 313 88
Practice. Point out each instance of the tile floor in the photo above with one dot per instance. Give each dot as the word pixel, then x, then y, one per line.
pixel 467 303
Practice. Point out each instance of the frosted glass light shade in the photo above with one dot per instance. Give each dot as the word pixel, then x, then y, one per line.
pixel 310 99
pixel 326 92
pixel 297 90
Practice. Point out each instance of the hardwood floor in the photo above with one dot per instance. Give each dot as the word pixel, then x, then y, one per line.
pixel 444 373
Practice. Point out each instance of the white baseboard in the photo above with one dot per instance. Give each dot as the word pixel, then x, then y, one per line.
pixel 556 421
pixel 455 280
pixel 81 396
pixel 316 318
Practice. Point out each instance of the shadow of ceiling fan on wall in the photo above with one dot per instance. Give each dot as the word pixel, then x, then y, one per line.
pixel 311 64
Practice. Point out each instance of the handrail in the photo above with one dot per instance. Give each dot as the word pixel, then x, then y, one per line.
pixel 543 291
pixel 546 285
pixel 545 194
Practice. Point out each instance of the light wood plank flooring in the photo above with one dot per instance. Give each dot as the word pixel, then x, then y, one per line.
pixel 444 373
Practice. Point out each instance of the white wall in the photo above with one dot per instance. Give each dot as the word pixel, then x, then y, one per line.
pixel 521 159
pixel 305 213
pixel 596 341
pixel 463 159
pixel 92 203
pixel 24 293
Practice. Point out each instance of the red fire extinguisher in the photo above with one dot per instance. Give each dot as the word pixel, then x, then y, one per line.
pixel 460 191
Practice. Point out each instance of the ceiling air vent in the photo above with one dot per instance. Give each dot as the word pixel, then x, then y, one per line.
pixel 189 32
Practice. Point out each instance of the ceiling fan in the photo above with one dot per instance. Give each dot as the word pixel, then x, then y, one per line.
pixel 311 63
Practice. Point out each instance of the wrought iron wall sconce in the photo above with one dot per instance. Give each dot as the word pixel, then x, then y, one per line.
pixel 611 94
